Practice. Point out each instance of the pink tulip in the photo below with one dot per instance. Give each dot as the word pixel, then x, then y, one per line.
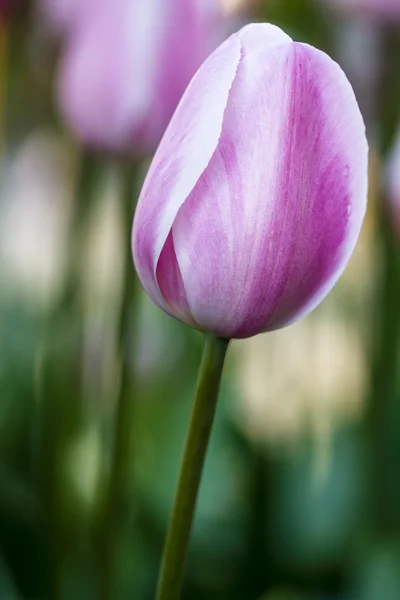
pixel 255 198
pixel 387 9
pixel 123 74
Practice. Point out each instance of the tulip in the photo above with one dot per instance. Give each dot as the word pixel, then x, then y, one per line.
pixel 124 72
pixel 386 9
pixel 255 198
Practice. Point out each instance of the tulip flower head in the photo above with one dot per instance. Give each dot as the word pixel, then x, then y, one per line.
pixel 124 72
pixel 255 198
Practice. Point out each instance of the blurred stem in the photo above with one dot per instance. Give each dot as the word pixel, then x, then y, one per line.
pixel 175 550
pixel 257 556
pixel 382 415
pixel 384 388
pixel 123 448
pixel 62 378
pixel 388 97
pixel 118 501
pixel 85 193
pixel 3 87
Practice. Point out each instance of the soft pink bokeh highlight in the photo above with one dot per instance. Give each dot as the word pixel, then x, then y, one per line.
pixel 123 73
pixel 393 181
pixel 254 201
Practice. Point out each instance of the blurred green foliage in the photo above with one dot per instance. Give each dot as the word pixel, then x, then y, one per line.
pixel 266 527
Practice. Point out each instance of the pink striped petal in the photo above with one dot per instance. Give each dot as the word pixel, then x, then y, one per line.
pixel 183 154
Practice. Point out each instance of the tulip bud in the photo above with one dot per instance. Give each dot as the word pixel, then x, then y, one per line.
pixel 124 72
pixel 386 9
pixel 255 198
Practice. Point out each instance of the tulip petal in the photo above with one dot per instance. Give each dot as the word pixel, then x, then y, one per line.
pixel 170 284
pixel 183 154
pixel 273 220
pixel 255 37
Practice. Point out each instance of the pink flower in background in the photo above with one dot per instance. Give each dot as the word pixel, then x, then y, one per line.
pixel 255 198
pixel 123 73
pixel 393 181
pixel 388 9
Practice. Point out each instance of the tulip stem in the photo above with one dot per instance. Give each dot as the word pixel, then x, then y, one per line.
pixel 123 447
pixel 175 550
pixel 4 81
pixel 60 378
pixel 85 196
pixel 383 407
pixel 118 503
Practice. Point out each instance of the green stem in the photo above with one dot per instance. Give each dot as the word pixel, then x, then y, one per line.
pixel 61 381
pixel 85 194
pixel 383 407
pixel 123 441
pixel 174 558
pixel 118 500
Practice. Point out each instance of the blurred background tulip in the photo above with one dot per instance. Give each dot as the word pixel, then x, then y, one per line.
pixel 126 65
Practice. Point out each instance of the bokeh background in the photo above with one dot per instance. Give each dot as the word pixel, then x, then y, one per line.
pixel 300 498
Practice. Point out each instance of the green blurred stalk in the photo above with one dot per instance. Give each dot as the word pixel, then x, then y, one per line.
pixel 61 381
pixel 384 408
pixel 382 415
pixel 4 76
pixel 126 327
pixel 85 194
pixel 175 551
pixel 118 501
